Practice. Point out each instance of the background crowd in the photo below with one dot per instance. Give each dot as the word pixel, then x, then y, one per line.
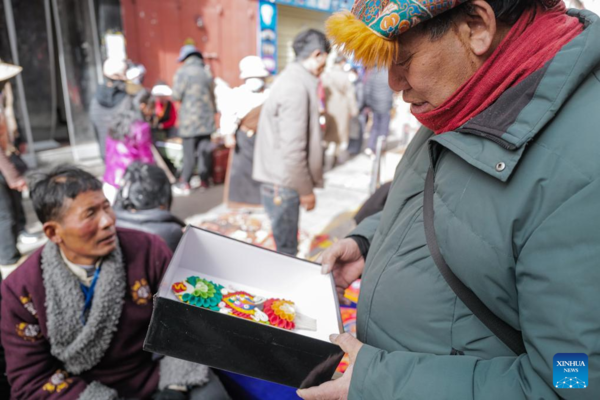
pixel 281 134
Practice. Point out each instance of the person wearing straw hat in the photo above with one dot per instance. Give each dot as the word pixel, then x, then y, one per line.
pixel 239 123
pixel 12 181
pixel 480 276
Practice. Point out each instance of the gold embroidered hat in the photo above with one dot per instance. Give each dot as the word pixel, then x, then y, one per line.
pixel 368 33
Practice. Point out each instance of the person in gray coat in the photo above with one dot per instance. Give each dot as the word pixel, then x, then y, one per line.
pixel 288 157
pixel 193 86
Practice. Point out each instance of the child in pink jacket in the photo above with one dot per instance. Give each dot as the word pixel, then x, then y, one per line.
pixel 130 139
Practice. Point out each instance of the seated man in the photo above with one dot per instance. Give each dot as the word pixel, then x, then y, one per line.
pixel 75 314
pixel 144 201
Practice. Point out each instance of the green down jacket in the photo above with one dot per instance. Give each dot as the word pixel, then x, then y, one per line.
pixel 517 216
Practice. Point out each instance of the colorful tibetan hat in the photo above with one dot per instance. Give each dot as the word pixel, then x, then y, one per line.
pixel 369 31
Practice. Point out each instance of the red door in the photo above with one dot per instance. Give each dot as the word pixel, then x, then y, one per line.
pixel 224 30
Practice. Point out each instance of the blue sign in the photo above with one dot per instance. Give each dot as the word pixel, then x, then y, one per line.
pixel 570 371
pixel 267 35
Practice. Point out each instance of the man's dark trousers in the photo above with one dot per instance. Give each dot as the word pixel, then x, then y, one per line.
pixel 197 148
pixel 283 207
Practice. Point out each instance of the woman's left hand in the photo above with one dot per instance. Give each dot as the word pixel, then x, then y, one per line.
pixel 339 388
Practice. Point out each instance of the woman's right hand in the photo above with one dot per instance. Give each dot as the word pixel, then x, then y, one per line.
pixel 346 262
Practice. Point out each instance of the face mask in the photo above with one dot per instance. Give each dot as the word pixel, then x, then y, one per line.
pixel 255 84
pixel 316 65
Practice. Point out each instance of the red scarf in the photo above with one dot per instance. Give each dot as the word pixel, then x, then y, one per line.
pixel 534 40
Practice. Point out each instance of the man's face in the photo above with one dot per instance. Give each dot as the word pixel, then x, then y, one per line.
pixel 87 227
pixel 428 72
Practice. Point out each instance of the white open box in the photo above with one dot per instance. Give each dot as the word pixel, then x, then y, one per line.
pixel 298 358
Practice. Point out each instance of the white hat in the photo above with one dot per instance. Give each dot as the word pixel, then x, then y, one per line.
pixel 115 69
pixel 253 67
pixel 161 90
pixel 136 73
pixel 8 71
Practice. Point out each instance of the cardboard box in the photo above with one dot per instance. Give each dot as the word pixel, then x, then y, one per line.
pixel 298 358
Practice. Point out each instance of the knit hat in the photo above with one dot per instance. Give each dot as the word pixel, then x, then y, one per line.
pixel 188 50
pixel 368 33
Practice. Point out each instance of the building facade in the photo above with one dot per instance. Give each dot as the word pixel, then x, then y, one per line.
pixel 57 42
pixel 224 30
pixel 61 45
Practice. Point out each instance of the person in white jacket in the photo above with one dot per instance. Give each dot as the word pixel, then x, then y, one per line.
pixel 239 122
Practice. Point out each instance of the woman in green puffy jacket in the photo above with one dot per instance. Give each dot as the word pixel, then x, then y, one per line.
pixel 508 93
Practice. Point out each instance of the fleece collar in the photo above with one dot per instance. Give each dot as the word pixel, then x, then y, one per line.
pixel 81 347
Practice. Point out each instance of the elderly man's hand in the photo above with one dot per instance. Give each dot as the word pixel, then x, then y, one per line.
pixel 346 262
pixel 339 388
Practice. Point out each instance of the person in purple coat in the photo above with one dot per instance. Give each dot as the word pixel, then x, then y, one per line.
pixel 129 139
pixel 74 316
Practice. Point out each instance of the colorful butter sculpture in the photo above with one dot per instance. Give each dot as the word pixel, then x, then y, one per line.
pixel 281 313
pixel 199 292
pixel 243 305
pixel 203 293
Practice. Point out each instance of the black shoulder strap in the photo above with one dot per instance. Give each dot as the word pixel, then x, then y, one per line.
pixel 510 336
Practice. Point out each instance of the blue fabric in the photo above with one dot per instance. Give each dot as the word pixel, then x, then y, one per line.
pixel 244 387
pixel 88 294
